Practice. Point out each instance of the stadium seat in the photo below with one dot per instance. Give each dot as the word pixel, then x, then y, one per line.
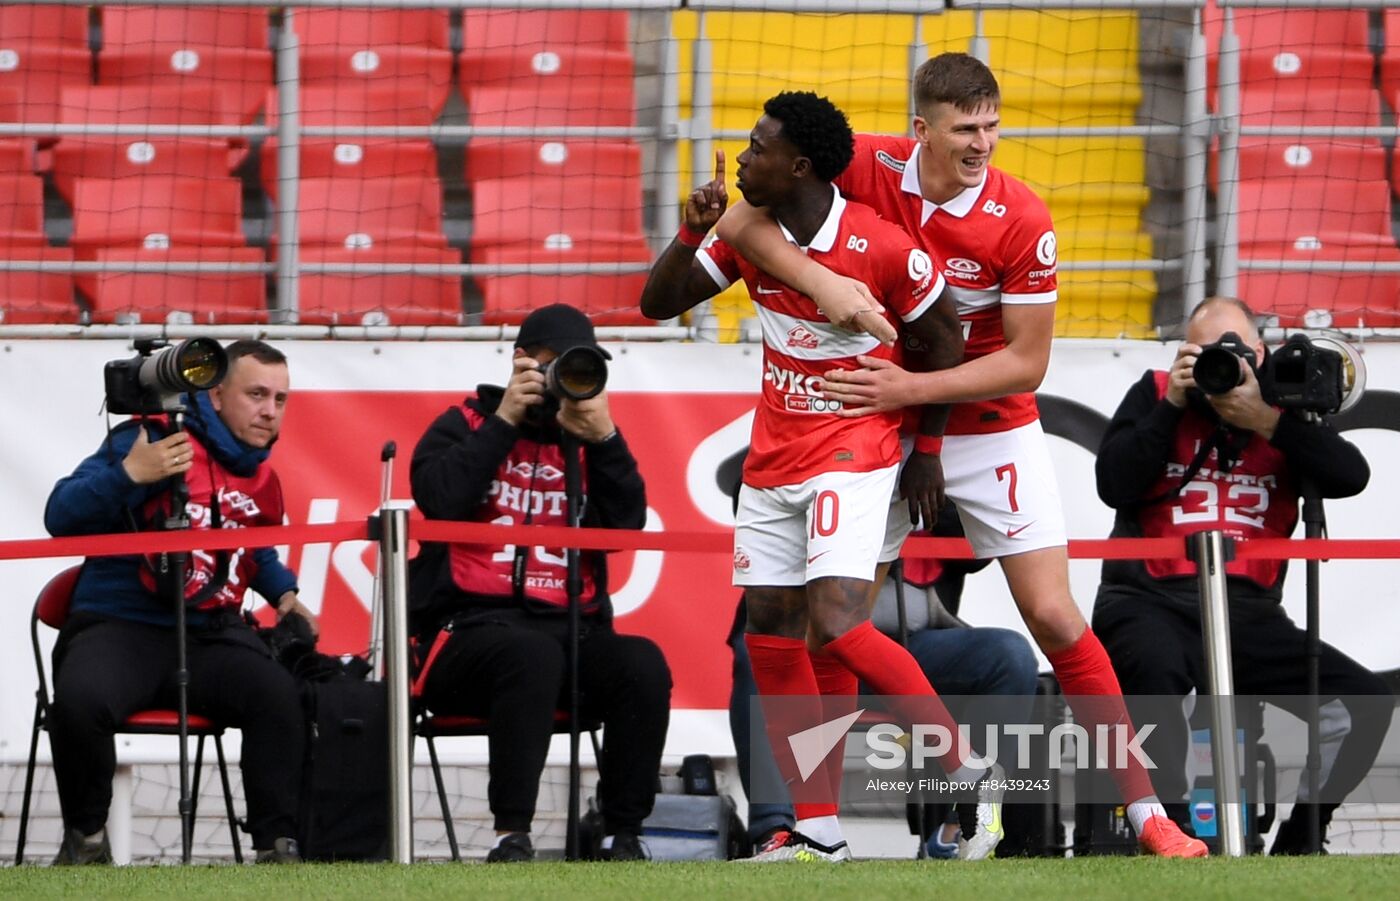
pixel 561 211
pixel 98 156
pixel 588 104
pixel 608 299
pixel 36 297
pixel 1328 49
pixel 38 73
pixel 1279 211
pixel 407 49
pixel 395 298
pixel 16 156
pixel 536 65
pixel 371 212
pixel 1390 56
pixel 203 298
pixel 1287 103
pixel 356 157
pixel 1311 158
pixel 156 212
pixel 46 24
pixel 222 48
pixel 1325 299
pixel 21 211
pixel 490 158
pixel 488 30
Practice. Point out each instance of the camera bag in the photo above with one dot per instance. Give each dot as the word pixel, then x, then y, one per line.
pixel 344 811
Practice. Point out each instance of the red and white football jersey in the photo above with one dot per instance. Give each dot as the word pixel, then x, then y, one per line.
pixel 796 432
pixel 996 243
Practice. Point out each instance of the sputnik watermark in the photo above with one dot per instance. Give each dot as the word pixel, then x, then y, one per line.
pixel 890 745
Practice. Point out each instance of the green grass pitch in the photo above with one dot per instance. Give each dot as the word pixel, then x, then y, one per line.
pixel 995 880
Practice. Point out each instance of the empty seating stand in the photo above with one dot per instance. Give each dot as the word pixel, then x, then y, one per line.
pixel 404 49
pixel 43 49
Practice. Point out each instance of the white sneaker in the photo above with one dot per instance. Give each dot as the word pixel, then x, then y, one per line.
pixel 989 832
pixel 795 846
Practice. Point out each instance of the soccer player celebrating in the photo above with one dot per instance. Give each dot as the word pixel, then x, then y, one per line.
pixel 998 246
pixel 816 485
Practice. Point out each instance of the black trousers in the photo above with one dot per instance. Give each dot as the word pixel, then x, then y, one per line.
pixel 106 670
pixel 1156 648
pixel 510 668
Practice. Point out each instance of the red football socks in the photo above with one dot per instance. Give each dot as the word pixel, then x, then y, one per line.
pixel 782 669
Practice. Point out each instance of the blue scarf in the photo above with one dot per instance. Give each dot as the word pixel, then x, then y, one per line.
pixel 235 456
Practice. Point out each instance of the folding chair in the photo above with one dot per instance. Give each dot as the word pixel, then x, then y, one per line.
pixel 51 608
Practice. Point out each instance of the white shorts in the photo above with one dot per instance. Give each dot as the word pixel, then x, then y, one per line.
pixel 833 524
pixel 1004 487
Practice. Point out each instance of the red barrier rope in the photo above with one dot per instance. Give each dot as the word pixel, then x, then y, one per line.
pixel 628 540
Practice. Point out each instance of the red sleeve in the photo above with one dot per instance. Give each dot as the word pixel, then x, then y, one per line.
pixel 908 278
pixel 1031 257
pixel 858 181
pixel 720 261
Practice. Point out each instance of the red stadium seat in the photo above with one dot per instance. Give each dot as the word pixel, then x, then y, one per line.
pixel 589 103
pixel 371 212
pixel 503 29
pixel 38 74
pixel 63 25
pixel 1280 211
pixel 21 211
pixel 357 105
pixel 156 212
pixel 1311 158
pixel 122 158
pixel 221 48
pixel 204 298
pixel 608 299
pixel 407 49
pixel 491 158
pixel 560 211
pixel 16 156
pixel 399 298
pixel 36 297
pixel 1390 56
pixel 557 66
pixel 1317 299
pixel 354 158
pixel 1327 48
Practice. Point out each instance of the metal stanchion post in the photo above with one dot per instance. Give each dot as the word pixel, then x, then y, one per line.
pixel 393 551
pixel 1209 552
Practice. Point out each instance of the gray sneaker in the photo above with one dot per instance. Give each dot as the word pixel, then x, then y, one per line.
pixel 78 850
pixel 982 832
pixel 283 850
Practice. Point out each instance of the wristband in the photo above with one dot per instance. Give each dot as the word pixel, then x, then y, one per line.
pixel 689 236
pixel 928 444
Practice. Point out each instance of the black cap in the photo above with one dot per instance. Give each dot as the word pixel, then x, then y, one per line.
pixel 558 327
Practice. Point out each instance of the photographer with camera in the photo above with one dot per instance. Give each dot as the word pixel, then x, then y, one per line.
pixel 117 653
pixel 1205 446
pixel 492 619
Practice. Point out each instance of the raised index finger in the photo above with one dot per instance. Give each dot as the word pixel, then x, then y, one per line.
pixel 719 165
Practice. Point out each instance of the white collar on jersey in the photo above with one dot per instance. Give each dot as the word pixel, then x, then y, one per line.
pixel 962 202
pixel 825 238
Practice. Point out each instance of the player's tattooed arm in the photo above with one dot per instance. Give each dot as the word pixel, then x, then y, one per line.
pixel 847 302
pixel 677 281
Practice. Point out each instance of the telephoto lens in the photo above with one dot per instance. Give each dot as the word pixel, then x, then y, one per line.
pixel 1220 366
pixel 577 374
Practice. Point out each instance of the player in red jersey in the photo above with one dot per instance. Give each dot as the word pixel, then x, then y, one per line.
pixel 814 500
pixel 997 245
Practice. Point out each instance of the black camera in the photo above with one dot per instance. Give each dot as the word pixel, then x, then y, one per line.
pixel 1220 366
pixel 1319 376
pixel 152 381
pixel 577 374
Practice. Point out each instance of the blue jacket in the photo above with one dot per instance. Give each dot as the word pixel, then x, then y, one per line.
pixel 100 498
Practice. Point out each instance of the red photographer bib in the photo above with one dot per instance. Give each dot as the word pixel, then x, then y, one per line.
pixel 1256 498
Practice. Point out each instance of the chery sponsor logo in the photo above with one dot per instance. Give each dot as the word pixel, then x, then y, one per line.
pixel 962 267
pixel 801 336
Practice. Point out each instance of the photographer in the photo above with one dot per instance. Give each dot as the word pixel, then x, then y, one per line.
pixel 1177 460
pixel 116 655
pixel 493 619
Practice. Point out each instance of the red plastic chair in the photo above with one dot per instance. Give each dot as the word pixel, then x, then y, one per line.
pixel 1318 299
pixel 407 49
pixel 37 73
pixel 608 299
pixel 1280 211
pixel 37 297
pixel 21 211
pixel 137 157
pixel 51 608
pixel 156 212
pixel 588 103
pixel 538 66
pixel 503 29
pixel 224 49
pixel 359 104
pixel 177 298
pixel 492 158
pixel 397 298
pixel 371 212
pixel 60 25
pixel 354 158
pixel 1281 158
pixel 539 211
pixel 16 156
pixel 1327 49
